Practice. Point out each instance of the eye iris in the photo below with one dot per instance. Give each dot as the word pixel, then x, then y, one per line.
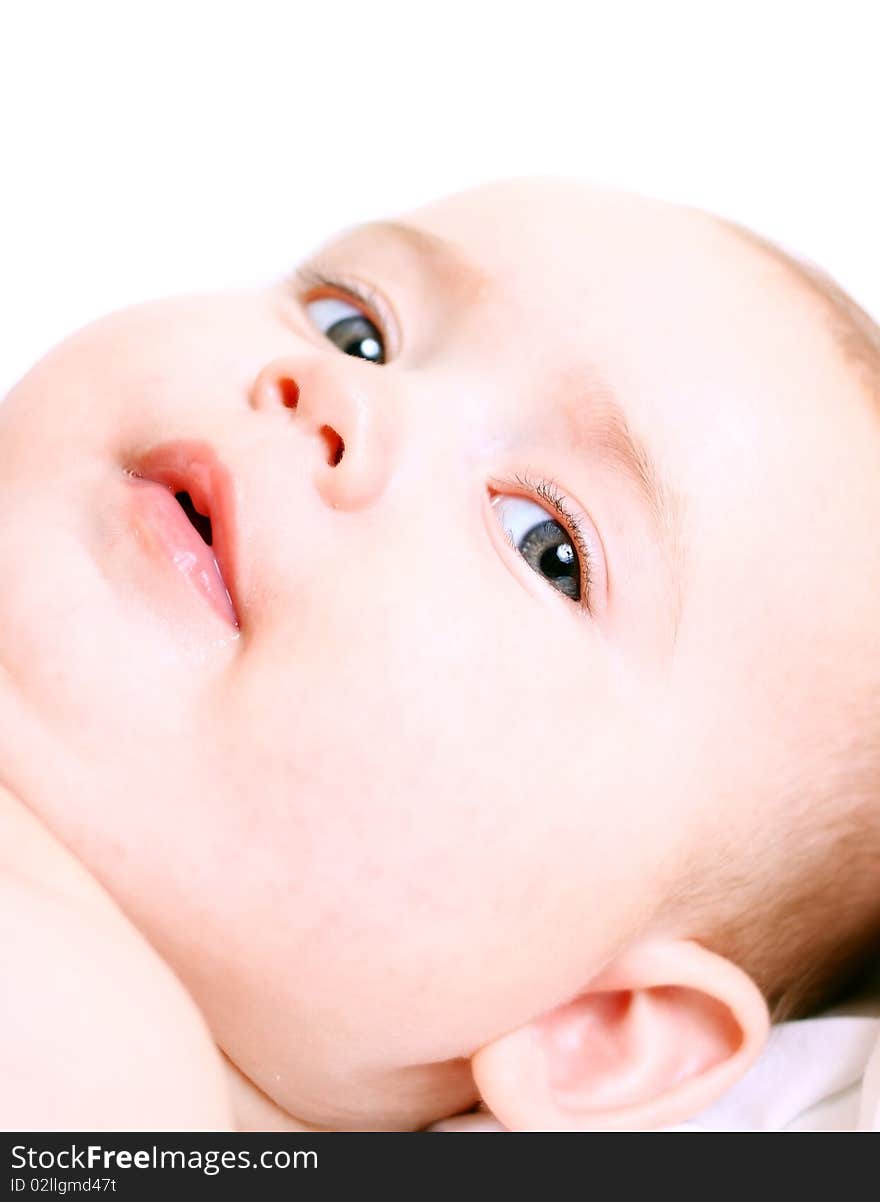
pixel 547 549
pixel 359 337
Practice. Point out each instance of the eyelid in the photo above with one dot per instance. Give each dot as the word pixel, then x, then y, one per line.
pixel 311 281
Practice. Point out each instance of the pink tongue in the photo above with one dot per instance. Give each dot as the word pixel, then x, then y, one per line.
pixel 184 545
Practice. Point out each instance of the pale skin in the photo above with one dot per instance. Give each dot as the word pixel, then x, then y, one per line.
pixel 403 840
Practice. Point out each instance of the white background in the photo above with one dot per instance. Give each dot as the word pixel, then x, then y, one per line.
pixel 151 148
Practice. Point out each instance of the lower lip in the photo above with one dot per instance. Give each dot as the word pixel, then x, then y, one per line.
pixel 160 519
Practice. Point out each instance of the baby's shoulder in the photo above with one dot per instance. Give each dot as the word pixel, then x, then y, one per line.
pixel 96 1032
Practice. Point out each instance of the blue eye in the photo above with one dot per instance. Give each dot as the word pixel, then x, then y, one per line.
pixel 543 542
pixel 555 548
pixel 347 327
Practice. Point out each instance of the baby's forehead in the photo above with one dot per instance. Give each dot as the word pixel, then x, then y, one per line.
pixel 568 256
pixel 545 225
pixel 561 248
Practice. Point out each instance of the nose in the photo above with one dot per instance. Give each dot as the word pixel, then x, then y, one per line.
pixel 348 418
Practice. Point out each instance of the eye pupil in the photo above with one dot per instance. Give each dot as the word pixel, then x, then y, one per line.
pixel 556 561
pixel 359 337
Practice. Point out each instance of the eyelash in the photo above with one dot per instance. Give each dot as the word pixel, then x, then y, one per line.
pixel 310 278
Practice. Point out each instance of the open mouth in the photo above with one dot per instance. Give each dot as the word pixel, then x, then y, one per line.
pixel 201 521
pixel 185 479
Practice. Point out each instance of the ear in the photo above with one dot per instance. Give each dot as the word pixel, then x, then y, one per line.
pixel 662 1031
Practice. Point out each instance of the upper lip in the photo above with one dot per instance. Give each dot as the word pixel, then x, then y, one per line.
pixel 193 466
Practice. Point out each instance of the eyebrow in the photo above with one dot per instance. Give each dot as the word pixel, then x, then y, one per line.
pixel 442 257
pixel 596 423
pixel 593 422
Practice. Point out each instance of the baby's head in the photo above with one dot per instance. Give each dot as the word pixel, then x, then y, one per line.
pixel 540 764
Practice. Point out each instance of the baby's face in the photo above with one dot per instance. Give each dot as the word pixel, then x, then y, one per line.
pixel 462 739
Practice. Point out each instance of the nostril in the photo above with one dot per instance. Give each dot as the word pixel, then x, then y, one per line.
pixel 335 445
pixel 289 392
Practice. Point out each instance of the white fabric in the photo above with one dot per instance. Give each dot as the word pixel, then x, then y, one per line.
pixel 817 1074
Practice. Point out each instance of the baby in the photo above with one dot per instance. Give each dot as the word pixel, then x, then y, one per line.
pixel 448 675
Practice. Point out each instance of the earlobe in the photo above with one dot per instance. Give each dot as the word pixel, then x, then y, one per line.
pixel 660 1033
